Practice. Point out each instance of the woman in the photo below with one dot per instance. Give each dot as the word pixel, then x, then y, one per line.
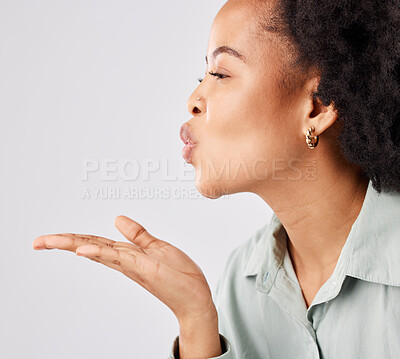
pixel 299 105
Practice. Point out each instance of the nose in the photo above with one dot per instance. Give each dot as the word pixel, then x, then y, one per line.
pixel 195 104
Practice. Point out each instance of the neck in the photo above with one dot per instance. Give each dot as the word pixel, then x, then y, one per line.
pixel 317 214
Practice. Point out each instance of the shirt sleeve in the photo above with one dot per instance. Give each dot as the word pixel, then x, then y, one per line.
pixel 225 346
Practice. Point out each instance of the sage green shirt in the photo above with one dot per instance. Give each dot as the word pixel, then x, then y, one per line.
pixel 354 315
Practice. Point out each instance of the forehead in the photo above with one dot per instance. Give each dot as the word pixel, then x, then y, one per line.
pixel 237 26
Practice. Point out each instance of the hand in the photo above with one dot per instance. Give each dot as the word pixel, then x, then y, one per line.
pixel 156 265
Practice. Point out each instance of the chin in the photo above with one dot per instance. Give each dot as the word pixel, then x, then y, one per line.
pixel 212 189
pixel 211 193
pixel 214 185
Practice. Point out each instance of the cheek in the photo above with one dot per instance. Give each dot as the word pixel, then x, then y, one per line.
pixel 241 125
pixel 270 128
pixel 245 131
pixel 233 119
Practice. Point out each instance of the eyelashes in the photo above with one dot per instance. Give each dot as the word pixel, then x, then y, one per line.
pixel 216 74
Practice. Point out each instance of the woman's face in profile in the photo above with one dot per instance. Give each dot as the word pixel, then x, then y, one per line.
pixel 246 126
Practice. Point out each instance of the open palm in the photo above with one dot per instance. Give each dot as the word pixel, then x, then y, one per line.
pixel 159 267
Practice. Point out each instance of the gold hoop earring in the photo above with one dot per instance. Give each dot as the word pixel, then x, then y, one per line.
pixel 312 141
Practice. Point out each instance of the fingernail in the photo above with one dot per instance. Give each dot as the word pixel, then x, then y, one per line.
pixel 81 254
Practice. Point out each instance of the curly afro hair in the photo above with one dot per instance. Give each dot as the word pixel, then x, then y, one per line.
pixel 355 45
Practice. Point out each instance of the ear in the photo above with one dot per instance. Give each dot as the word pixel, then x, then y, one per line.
pixel 317 115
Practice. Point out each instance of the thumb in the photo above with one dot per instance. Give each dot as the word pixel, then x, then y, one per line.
pixel 134 232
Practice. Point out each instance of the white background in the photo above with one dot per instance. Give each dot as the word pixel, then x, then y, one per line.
pixel 99 80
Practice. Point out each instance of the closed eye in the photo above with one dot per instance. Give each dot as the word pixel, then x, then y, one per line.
pixel 216 74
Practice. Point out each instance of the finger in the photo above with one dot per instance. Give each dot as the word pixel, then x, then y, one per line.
pixel 117 266
pixel 68 241
pixel 135 263
pixel 43 242
pixel 136 233
pixel 90 236
pixel 106 241
pixel 108 264
pixel 105 253
pixel 51 241
pixel 72 241
pixel 127 247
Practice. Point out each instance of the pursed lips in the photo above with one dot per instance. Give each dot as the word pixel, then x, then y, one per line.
pixel 186 135
pixel 187 138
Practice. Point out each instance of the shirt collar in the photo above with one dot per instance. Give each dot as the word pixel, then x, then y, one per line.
pixel 371 251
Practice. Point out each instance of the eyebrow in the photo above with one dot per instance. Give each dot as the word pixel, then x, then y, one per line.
pixel 226 50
